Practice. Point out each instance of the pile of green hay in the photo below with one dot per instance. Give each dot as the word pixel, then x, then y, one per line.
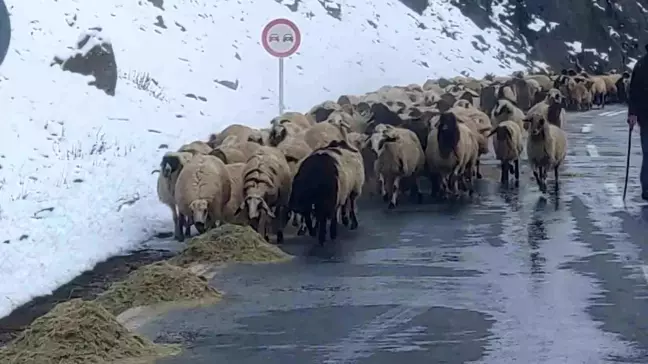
pixel 156 283
pixel 79 332
pixel 229 243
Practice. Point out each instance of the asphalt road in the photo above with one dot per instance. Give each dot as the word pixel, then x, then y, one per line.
pixel 509 278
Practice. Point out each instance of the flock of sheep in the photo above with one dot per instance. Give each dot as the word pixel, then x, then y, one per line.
pixel 315 165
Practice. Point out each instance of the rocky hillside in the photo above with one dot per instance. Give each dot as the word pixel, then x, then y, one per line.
pixel 604 34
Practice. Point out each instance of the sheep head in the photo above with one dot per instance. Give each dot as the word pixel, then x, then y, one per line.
pixel 200 214
pixel 278 133
pixel 448 136
pixel 387 136
pixel 254 205
pixel 535 124
pixel 501 107
pixel 463 104
pixel 170 164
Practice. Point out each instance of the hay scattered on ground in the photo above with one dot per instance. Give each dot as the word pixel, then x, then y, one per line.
pixel 229 243
pixel 156 283
pixel 79 332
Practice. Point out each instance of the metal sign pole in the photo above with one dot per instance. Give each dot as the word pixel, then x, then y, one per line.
pixel 281 85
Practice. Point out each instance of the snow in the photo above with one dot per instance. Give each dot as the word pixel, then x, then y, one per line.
pixel 576 47
pixel 76 164
pixel 643 9
pixel 537 24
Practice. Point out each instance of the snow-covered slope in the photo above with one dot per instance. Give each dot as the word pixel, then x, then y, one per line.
pixel 75 180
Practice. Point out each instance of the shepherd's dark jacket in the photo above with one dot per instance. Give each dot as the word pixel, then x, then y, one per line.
pixel 638 91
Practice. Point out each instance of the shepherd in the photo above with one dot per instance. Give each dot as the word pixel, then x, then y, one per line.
pixel 638 115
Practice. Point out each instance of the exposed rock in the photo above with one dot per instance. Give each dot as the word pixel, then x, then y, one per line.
pixel 228 84
pixel 93 56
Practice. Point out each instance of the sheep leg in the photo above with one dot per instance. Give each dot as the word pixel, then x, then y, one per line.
pixel 478 164
pixel 556 178
pixel 282 217
pixel 505 166
pixel 345 213
pixel 353 211
pixel 179 235
pixel 516 171
pixel 383 189
pixel 177 229
pixel 333 227
pixel 435 182
pixel 321 221
pixel 308 223
pixel 395 191
pixel 188 225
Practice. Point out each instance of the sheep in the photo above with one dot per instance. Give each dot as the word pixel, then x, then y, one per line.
pixel 292 117
pixel 580 95
pixel 235 171
pixel 543 81
pixel 294 149
pixel 261 136
pixel 400 158
pixel 322 111
pixel 239 133
pixel 266 186
pixel 196 147
pixel 556 110
pixel 506 110
pixel 508 147
pixel 381 114
pixel 453 150
pixel 170 167
pixel 283 130
pixel 328 180
pixel 546 148
pixel 551 109
pixel 235 153
pixel 480 124
pixel 320 135
pixel 597 87
pixel 202 192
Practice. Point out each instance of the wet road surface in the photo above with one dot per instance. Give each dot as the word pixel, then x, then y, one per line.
pixel 509 278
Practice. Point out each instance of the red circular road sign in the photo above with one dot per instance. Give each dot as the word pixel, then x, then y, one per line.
pixel 281 38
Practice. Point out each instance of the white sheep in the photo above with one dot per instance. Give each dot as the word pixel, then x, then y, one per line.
pixel 239 133
pixel 508 146
pixel 546 148
pixel 400 158
pixel 266 186
pixel 196 147
pixel 322 134
pixel 453 150
pixel 235 153
pixel 506 110
pixel 202 192
pixel 170 167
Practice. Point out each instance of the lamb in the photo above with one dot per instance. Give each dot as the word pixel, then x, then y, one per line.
pixel 506 110
pixel 235 153
pixel 580 95
pixel 170 167
pixel 266 186
pixel 196 147
pixel 400 158
pixel 202 192
pixel 508 146
pixel 546 148
pixel 239 133
pixel 329 179
pixel 454 151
